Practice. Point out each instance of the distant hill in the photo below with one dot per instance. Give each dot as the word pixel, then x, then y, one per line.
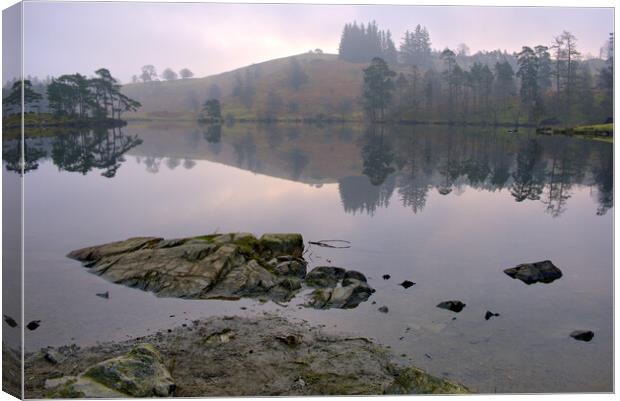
pixel 333 88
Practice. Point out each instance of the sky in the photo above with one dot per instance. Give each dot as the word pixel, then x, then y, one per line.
pixel 212 38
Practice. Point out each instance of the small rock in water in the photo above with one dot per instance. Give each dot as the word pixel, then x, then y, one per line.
pixel 105 295
pixel 454 306
pixel 10 321
pixel 582 335
pixel 530 273
pixel 33 325
pixel 383 309
pixel 489 315
pixel 386 276
pixel 373 303
pixel 407 283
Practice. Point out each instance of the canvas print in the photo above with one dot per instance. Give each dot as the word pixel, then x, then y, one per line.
pixel 211 200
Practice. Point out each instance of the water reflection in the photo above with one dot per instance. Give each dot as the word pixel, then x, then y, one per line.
pixel 77 151
pixel 371 165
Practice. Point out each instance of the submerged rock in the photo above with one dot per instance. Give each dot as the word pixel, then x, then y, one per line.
pixel 139 373
pixel 354 288
pixel 325 276
pixel 223 266
pixel 383 309
pixel 454 306
pixel 582 335
pixel 530 273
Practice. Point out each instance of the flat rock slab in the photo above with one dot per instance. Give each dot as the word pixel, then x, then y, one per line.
pixel 537 272
pixel 222 266
pixel 236 356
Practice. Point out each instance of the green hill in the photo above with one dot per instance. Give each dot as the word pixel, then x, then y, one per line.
pixel 332 88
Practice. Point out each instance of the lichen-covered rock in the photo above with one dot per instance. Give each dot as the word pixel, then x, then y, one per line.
pixel 530 273
pixel 220 266
pixel 412 380
pixel 139 373
pixel 114 248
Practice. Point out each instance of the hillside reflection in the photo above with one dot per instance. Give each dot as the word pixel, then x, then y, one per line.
pixel 372 166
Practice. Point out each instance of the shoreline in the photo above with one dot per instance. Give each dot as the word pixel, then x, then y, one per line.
pixel 289 358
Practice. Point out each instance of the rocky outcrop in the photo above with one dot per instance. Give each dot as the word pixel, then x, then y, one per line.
pixel 223 266
pixel 139 373
pixel 530 273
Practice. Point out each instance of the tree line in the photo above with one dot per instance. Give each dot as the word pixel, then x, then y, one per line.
pixel 148 73
pixel 550 84
pixel 75 96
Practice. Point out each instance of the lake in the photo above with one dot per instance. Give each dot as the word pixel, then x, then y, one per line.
pixel 448 208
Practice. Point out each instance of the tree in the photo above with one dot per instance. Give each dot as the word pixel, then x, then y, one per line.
pixel 148 73
pixel 169 75
pixel 360 43
pixel 606 81
pixel 14 99
pixel 528 73
pixel 545 68
pixel 572 55
pixel 452 76
pixel 212 111
pixel 297 76
pixel 377 89
pixel 185 73
pixel 462 50
pixel 80 97
pixel 415 47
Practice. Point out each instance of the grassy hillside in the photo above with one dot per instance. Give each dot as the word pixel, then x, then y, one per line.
pixel 330 83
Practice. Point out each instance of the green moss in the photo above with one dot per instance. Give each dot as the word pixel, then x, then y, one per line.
pixel 334 384
pixel 65 391
pixel 209 238
pixel 412 380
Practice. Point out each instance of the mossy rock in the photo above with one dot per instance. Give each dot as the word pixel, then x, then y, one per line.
pixel 412 380
pixel 139 373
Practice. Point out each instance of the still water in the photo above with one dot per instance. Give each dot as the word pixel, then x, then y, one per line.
pixel 447 208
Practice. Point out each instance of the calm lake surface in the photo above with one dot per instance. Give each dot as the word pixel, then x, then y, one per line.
pixel 446 207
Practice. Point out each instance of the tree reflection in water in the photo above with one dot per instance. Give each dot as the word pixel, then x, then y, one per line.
pixel 80 151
